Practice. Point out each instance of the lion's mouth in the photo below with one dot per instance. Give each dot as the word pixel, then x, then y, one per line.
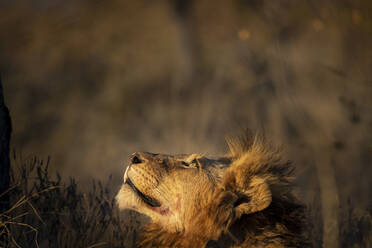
pixel 147 199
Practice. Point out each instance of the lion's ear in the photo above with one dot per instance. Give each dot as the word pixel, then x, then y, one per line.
pixel 254 198
pixel 249 174
pixel 253 192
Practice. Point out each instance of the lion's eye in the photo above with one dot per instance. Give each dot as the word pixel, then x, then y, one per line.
pixel 192 164
pixel 185 164
pixel 195 163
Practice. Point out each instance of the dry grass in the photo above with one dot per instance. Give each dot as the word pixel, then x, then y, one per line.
pixel 48 213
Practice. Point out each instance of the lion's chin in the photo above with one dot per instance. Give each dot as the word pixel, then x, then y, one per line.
pixel 152 202
pixel 128 198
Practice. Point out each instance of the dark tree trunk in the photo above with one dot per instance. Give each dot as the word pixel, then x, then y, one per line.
pixel 5 130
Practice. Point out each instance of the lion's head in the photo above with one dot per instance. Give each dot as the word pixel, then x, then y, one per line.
pixel 199 198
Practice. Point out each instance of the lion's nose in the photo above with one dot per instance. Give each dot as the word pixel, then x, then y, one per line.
pixel 142 157
pixel 136 158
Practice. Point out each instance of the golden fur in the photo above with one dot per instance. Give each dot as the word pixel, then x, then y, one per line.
pixel 241 200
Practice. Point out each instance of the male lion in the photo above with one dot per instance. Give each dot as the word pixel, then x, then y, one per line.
pixel 243 199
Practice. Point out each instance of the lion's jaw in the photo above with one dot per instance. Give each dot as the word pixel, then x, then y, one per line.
pixel 161 186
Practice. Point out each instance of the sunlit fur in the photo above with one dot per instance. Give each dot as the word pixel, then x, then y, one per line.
pixel 243 199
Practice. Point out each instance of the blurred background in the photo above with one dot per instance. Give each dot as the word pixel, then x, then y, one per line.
pixel 90 82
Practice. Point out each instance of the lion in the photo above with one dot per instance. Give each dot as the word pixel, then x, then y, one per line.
pixel 242 199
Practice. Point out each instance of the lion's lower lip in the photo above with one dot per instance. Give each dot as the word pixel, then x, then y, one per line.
pixel 149 200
